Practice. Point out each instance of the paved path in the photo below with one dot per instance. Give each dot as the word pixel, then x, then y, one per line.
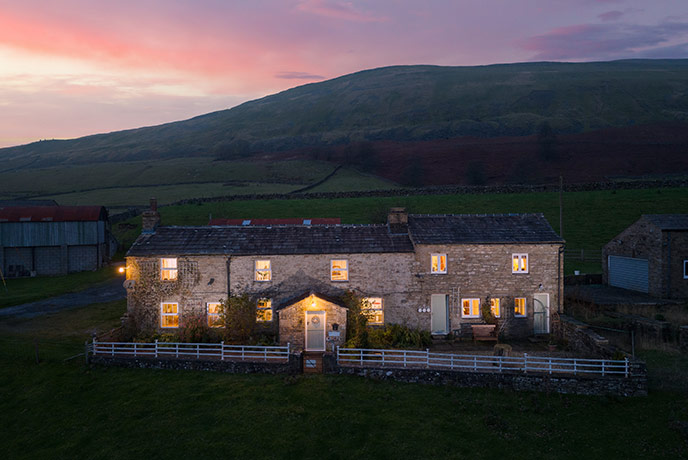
pixel 98 293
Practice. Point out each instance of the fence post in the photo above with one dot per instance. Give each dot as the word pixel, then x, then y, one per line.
pixel 383 358
pixel 112 348
pixel 550 364
pixel 475 363
pixel 337 353
pixel 360 356
pixel 222 350
pixel 86 351
pixel 404 358
pixel 603 361
pixel 626 367
pixel 265 354
pixel 156 348
pixel 575 368
pixel 176 350
pixel 451 362
pixel 94 346
pixel 427 357
pixel 500 364
pixel 134 349
pixel 525 363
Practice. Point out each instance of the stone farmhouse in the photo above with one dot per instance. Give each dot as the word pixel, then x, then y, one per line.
pixel 432 272
pixel 650 256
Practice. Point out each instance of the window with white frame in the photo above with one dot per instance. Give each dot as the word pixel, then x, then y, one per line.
pixel 519 263
pixel 214 319
pixel 263 270
pixel 470 308
pixel 685 269
pixel 169 314
pixel 494 306
pixel 339 270
pixel 372 308
pixel 168 269
pixel 438 263
pixel 520 306
pixel 264 310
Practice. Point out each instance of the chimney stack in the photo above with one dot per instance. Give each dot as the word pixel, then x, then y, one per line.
pixel 397 220
pixel 150 217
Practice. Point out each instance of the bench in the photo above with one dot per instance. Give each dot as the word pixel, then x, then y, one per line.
pixel 484 332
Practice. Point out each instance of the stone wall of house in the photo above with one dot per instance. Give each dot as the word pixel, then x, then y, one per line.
pixel 200 279
pixel 634 385
pixel 642 240
pixel 383 275
pixel 292 328
pixel 484 271
pixel 675 248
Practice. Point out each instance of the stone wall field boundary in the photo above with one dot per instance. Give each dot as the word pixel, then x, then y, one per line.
pixel 634 385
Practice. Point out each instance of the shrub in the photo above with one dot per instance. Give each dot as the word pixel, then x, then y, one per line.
pixel 356 321
pixel 238 316
pixel 398 336
pixel 195 329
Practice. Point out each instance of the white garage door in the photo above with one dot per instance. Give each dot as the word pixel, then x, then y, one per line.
pixel 628 273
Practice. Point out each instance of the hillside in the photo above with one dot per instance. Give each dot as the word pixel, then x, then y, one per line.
pixel 406 103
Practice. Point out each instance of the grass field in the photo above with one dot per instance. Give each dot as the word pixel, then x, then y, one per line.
pixel 131 183
pixel 591 219
pixel 23 290
pixel 62 409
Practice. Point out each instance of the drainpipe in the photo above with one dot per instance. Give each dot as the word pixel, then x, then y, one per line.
pixel 559 270
pixel 229 259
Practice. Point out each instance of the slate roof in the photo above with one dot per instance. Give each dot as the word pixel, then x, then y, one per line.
pixel 481 228
pixel 276 240
pixel 668 221
pixel 288 221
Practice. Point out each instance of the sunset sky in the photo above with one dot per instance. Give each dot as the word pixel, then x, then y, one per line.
pixel 75 67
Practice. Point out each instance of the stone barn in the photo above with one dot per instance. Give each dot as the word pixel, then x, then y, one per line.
pixel 54 240
pixel 650 256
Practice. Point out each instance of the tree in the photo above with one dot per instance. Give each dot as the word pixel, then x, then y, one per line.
pixel 238 316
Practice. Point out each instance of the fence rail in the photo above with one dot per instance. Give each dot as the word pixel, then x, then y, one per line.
pixel 485 363
pixel 189 351
pixel 585 255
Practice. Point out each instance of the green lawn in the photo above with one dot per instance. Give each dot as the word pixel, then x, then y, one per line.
pixel 23 290
pixel 62 409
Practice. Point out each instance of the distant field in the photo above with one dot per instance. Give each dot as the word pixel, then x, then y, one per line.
pixel 591 219
pixel 131 183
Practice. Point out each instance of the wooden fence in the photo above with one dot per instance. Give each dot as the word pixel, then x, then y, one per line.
pixel 177 350
pixel 361 357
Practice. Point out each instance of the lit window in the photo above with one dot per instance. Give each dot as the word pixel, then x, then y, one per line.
pixel 339 270
pixel 214 314
pixel 264 310
pixel 168 269
pixel 685 269
pixel 519 263
pixel 372 308
pixel 169 314
pixel 494 306
pixel 520 306
pixel 263 270
pixel 438 263
pixel 470 308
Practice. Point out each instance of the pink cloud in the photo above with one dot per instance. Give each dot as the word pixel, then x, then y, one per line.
pixel 336 10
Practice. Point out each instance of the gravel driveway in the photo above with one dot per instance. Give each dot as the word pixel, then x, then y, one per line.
pixel 98 293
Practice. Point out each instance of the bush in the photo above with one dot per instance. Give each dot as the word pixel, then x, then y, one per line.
pixel 195 329
pixel 238 315
pixel 356 321
pixel 398 336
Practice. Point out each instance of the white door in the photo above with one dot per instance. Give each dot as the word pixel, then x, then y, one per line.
pixel 628 273
pixel 315 331
pixel 438 314
pixel 541 313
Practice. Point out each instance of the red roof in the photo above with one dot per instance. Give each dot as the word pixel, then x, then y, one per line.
pixel 52 213
pixel 291 221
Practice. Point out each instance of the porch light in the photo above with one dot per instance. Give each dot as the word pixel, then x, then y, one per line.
pixel 313 304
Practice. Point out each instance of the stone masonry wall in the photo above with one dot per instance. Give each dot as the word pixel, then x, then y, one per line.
pixel 582 339
pixel 482 271
pixel 292 328
pixel 675 248
pixel 642 240
pixel 635 385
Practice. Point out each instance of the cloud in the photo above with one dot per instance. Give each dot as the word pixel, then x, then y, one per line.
pixel 604 41
pixel 611 15
pixel 298 76
pixel 336 10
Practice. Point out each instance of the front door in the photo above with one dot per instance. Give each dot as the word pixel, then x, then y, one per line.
pixel 315 330
pixel 438 314
pixel 541 313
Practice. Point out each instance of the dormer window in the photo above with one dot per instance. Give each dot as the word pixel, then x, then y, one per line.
pixel 438 263
pixel 519 263
pixel 263 270
pixel 168 269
